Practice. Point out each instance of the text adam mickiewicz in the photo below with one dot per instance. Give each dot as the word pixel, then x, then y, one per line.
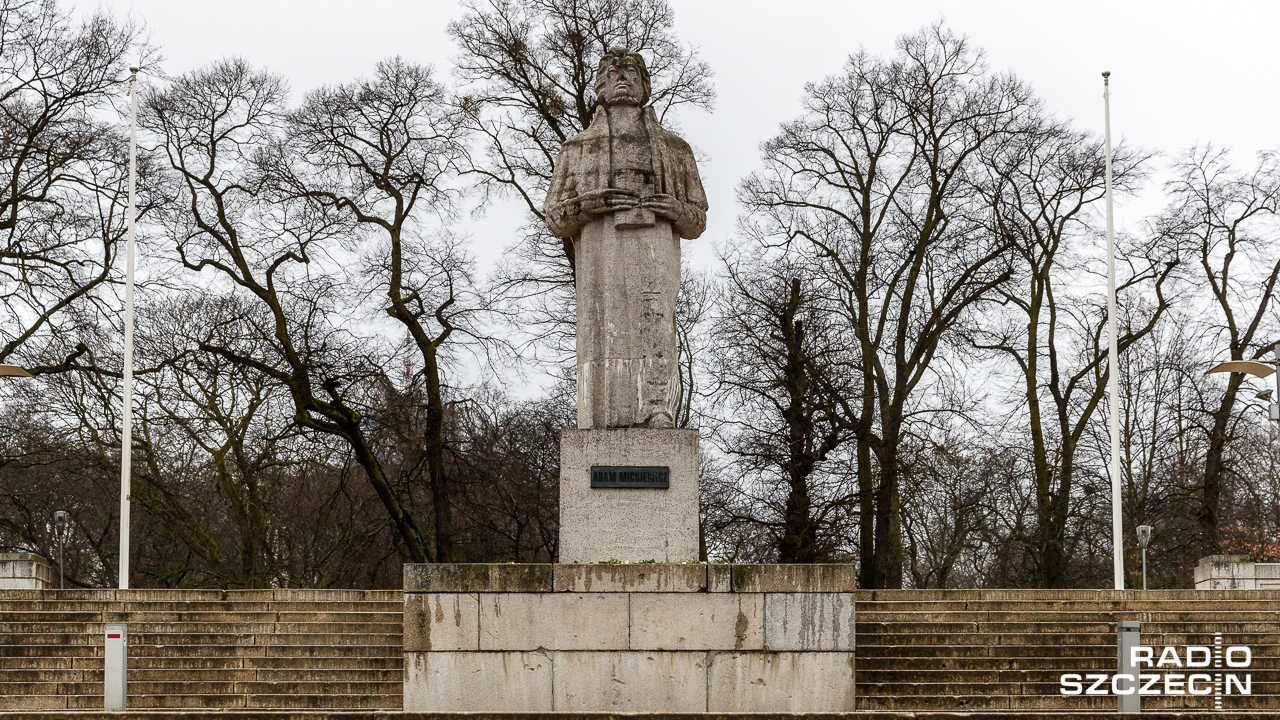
pixel 630 477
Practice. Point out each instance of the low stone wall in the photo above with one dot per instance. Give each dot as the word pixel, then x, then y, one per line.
pixel 24 571
pixel 629 638
pixel 1236 572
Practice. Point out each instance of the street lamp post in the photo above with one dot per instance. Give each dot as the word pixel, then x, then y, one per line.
pixel 1260 369
pixel 1274 408
pixel 60 522
pixel 1144 537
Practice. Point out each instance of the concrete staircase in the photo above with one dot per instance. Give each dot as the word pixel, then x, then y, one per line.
pixel 294 649
pixel 1007 649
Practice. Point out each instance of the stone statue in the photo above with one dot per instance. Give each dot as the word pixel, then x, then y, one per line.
pixel 625 191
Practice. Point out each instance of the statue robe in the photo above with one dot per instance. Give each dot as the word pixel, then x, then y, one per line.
pixel 627 264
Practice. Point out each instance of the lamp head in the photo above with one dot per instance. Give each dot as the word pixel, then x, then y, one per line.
pixel 1144 535
pixel 1265 394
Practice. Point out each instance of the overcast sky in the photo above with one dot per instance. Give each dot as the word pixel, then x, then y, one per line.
pixel 1182 72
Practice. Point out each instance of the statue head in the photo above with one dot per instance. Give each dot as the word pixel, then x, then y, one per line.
pixel 622 79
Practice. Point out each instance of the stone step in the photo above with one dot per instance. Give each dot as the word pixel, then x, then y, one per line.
pixel 984 702
pixel 1047 616
pixel 58 606
pixel 326 701
pixel 205 649
pixel 906 663
pixel 137 629
pixel 43 650
pixel 263 637
pixel 389 701
pixel 352 662
pixel 208 687
pixel 30 675
pixel 185 675
pixel 197 650
pixel 258 596
pixel 1256 641
pixel 915 675
pixel 38 663
pixel 1266 625
pixel 998 651
pixel 365 662
pixel 1071 606
pixel 1011 706
pixel 1049 689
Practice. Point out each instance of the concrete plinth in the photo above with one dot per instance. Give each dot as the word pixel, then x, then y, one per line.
pixel 628 524
pixel 24 571
pixel 1236 572
pixel 629 638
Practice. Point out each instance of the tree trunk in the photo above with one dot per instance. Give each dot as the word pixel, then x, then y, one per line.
pixel 433 442
pixel 1215 471
pixel 888 552
pixel 798 544
pixel 866 518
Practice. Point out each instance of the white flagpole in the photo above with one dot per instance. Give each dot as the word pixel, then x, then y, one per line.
pixel 1113 354
pixel 126 440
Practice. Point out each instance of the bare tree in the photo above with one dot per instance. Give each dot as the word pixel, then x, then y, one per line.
pixel 213 125
pixel 1043 187
pixel 1226 222
pixel 877 180
pixel 63 185
pixel 780 373
pixel 507 464
pixel 381 152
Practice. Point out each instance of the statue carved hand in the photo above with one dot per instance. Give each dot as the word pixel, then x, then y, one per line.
pixel 598 202
pixel 664 206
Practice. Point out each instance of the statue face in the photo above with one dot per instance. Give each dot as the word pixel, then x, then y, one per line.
pixel 620 84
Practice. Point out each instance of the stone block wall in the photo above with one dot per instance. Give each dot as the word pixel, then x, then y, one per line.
pixel 1236 572
pixel 629 638
pixel 24 571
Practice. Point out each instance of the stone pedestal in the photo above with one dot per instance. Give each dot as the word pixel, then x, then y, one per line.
pixel 628 524
pixel 628 638
pixel 24 571
pixel 627 280
pixel 1236 572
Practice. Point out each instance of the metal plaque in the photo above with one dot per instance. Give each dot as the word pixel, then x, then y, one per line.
pixel 608 476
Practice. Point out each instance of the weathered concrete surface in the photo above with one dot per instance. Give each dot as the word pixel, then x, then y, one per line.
pixel 24 571
pixel 780 682
pixel 477 681
pixel 631 682
pixel 477 577
pixel 630 525
pixel 1236 572
pixel 555 621
pixel 441 621
pixel 663 578
pixel 793 578
pixel 719 578
pixel 809 621
pixel 681 576
pixel 624 192
pixel 627 280
pixel 704 621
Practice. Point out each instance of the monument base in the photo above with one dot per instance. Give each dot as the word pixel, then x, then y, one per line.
pixel 628 525
pixel 628 638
